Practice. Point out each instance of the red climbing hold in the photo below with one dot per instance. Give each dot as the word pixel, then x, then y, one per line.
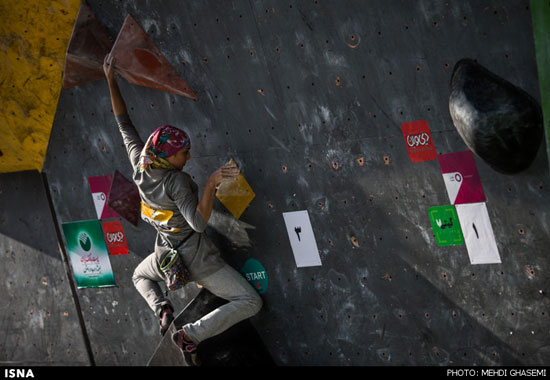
pixel 88 47
pixel 139 61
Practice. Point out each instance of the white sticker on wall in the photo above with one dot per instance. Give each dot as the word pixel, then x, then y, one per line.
pixel 453 181
pixel 478 233
pixel 302 239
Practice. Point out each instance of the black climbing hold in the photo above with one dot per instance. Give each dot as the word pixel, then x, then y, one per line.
pixel 498 121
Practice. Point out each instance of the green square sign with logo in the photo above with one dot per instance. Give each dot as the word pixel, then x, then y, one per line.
pixel 88 254
pixel 445 225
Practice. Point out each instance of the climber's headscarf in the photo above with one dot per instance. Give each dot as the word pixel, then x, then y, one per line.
pixel 163 142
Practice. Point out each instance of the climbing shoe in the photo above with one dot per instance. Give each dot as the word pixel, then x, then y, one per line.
pixel 188 349
pixel 166 318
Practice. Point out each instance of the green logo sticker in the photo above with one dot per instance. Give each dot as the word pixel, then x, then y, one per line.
pixel 255 274
pixel 445 225
pixel 84 241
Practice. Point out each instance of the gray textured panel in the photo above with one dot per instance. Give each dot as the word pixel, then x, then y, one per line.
pixel 309 97
pixel 40 324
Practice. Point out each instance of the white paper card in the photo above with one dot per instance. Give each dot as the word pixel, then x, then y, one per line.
pixel 99 203
pixel 302 239
pixel 453 181
pixel 478 233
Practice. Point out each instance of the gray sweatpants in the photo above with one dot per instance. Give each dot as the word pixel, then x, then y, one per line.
pixel 226 283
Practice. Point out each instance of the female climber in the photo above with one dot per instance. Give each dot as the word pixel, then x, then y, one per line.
pixel 183 252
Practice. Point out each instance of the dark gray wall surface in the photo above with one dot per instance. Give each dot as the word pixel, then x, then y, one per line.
pixel 40 324
pixel 298 93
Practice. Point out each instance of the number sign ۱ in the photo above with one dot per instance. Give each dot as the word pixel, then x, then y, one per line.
pixel 478 233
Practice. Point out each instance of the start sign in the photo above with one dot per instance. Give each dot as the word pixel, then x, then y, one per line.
pixel 255 274
pixel 418 140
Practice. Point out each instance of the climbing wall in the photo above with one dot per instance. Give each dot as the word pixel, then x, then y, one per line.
pixel 309 98
pixel 40 319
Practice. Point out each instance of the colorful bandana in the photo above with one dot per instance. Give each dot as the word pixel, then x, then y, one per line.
pixel 164 142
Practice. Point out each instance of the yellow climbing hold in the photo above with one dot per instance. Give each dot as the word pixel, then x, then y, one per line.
pixel 235 194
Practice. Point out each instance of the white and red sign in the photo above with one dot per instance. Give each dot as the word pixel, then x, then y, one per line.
pixel 114 238
pixel 461 177
pixel 100 186
pixel 418 140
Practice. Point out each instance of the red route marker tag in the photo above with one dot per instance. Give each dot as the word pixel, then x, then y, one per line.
pixel 461 177
pixel 418 140
pixel 140 62
pixel 114 238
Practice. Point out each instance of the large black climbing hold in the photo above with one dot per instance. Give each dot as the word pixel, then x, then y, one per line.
pixel 498 121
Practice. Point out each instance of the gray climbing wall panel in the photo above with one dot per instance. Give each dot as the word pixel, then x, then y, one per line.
pixel 308 97
pixel 40 323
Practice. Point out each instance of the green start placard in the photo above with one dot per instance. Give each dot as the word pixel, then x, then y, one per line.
pixel 445 225
pixel 255 274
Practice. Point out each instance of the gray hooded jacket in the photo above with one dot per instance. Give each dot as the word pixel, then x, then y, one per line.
pixel 169 203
